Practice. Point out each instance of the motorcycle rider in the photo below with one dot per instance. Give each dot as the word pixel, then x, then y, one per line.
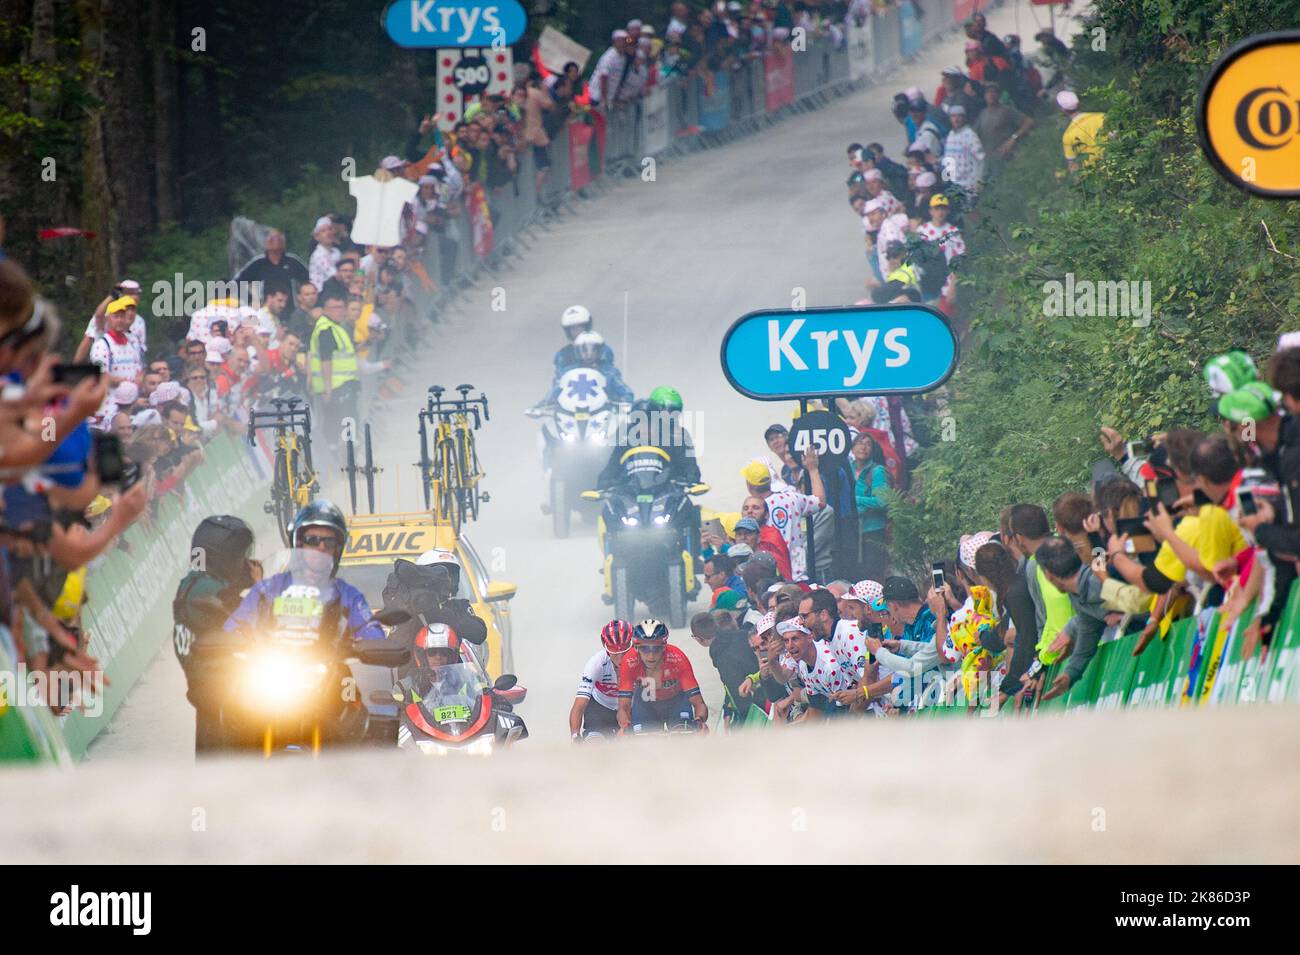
pixel 595 707
pixel 576 320
pixel 319 533
pixel 590 351
pixel 426 589
pixel 656 423
pixel 222 569
pixel 656 683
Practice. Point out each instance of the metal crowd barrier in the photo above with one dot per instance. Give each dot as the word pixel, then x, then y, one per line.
pixel 823 69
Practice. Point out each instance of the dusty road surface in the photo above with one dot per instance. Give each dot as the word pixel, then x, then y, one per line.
pixel 1208 786
pixel 716 235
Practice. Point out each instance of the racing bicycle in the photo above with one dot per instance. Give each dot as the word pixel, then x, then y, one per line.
pixel 293 482
pixel 452 474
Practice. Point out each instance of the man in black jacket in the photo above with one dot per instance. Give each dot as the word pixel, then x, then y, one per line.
pixel 426 589
pixel 732 657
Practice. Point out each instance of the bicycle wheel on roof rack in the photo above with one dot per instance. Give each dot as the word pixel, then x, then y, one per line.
pixel 282 496
pixel 449 486
pixel 469 476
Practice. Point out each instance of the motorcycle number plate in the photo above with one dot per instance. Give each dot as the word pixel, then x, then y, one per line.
pixel 444 714
pixel 582 416
pixel 644 498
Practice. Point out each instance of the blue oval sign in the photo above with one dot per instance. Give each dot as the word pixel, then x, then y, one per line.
pixel 446 23
pixel 863 350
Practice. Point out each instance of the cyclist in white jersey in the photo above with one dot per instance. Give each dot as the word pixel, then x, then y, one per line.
pixel 595 706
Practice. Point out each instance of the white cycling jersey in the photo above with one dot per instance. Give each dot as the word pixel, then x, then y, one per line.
pixel 600 681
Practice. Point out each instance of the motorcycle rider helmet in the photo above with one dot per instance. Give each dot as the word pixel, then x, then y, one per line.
pixel 664 398
pixel 320 513
pixel 443 570
pixel 616 637
pixel 436 645
pixel 590 346
pixel 650 631
pixel 575 320
pixel 225 544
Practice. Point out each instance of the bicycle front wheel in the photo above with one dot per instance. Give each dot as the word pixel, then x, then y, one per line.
pixel 450 491
pixel 282 496
pixel 469 474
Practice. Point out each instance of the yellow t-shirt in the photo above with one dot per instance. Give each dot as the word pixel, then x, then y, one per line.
pixel 1080 137
pixel 1211 532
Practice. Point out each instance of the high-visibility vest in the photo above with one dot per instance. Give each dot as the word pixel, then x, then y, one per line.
pixel 905 274
pixel 343 365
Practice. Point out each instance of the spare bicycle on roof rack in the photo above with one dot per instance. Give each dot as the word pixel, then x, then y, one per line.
pixel 452 474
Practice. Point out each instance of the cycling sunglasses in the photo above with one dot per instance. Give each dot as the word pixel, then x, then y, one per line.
pixel 315 540
pixel 648 647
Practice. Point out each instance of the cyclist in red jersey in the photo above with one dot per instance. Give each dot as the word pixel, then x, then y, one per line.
pixel 656 684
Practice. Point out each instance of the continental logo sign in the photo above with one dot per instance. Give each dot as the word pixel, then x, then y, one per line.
pixel 389 542
pixel 1249 115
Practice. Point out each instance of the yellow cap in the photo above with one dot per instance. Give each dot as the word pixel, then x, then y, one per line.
pixel 121 304
pixel 939 200
pixel 756 474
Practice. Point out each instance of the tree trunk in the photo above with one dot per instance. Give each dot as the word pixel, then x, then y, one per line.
pixel 166 188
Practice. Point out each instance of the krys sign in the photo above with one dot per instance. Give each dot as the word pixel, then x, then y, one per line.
pixel 1249 115
pixel 447 23
pixel 865 350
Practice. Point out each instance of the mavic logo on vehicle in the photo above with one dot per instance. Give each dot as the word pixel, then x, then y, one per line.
pixel 1249 116
pixel 888 349
pixel 395 542
pixel 75 908
pixel 430 23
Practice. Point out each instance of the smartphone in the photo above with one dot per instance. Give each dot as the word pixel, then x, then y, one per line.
pixel 73 375
pixel 1140 545
pixel 936 574
pixel 110 462
pixel 1138 449
pixel 1164 490
pixel 1247 501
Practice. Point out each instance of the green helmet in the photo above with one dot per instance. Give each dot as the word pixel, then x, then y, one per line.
pixel 664 398
pixel 1229 371
pixel 1251 402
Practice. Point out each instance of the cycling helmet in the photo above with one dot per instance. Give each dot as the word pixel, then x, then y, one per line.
pixel 224 543
pixel 443 569
pixel 650 630
pixel 436 645
pixel 575 319
pixel 589 346
pixel 664 398
pixel 616 637
pixel 1229 371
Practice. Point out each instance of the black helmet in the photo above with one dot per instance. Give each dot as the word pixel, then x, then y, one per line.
pixel 224 543
pixel 321 513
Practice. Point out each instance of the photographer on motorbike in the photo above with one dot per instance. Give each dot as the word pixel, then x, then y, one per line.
pixel 590 351
pixel 319 533
pixel 576 320
pixel 223 568
pixel 426 589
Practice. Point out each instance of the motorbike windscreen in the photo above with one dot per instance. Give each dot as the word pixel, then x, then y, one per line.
pixel 449 695
pixel 581 390
pixel 645 468
pixel 304 591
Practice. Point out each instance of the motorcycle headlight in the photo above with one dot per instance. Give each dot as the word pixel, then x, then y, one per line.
pixel 483 746
pixel 631 521
pixel 429 748
pixel 569 436
pixel 662 518
pixel 277 680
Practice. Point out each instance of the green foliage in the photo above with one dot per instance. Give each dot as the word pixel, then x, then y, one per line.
pixel 1033 389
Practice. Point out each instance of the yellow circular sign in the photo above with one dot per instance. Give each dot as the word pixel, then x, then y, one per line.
pixel 1249 115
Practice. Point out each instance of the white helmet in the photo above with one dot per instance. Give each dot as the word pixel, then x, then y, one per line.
pixel 574 316
pixel 447 560
pixel 589 345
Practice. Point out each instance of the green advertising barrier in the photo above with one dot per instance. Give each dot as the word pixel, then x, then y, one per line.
pixel 1151 674
pixel 1116 677
pixel 1280 680
pixel 130 591
pixel 28 730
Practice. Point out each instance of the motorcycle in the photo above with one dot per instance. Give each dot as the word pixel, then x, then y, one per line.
pixel 575 438
pixel 453 708
pixel 286 684
pixel 649 529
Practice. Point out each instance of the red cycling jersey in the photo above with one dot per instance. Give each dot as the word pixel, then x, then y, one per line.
pixel 675 676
